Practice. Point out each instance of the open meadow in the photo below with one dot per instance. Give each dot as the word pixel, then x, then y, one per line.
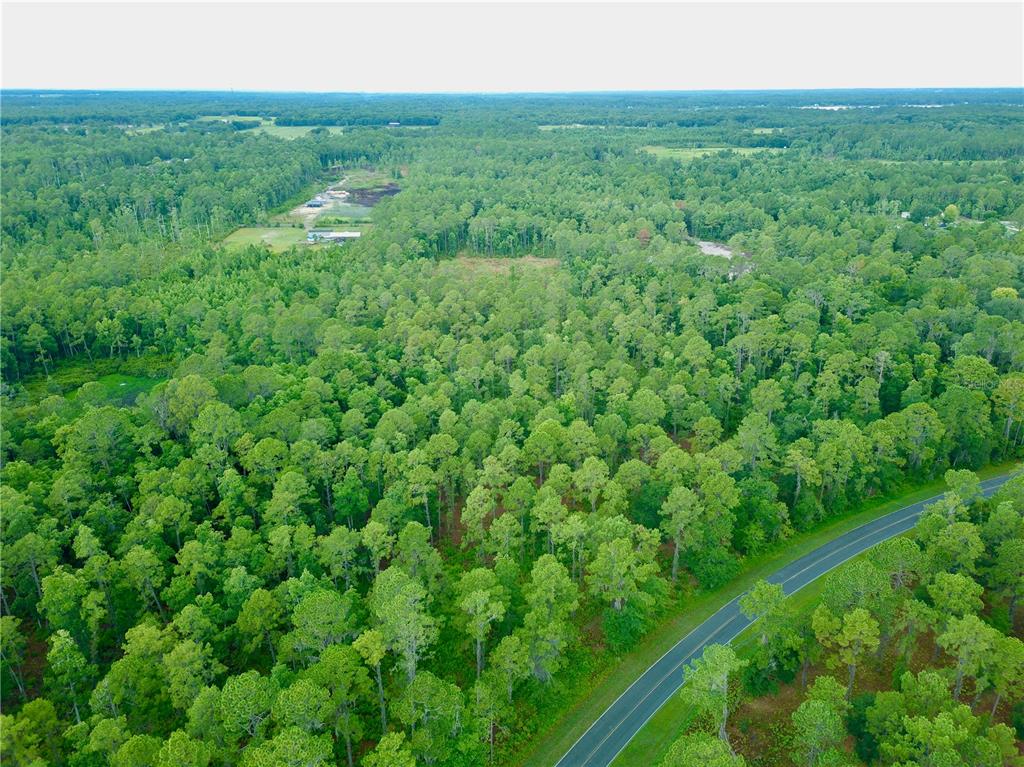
pixel 276 238
pixel 691 153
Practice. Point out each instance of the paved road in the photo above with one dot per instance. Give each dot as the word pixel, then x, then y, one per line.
pixel 613 730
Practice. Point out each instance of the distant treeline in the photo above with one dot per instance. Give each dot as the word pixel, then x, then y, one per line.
pixel 635 109
pixel 326 118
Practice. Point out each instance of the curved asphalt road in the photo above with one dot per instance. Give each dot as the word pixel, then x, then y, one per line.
pixel 613 730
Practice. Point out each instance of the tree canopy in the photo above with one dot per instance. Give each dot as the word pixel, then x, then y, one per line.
pixel 393 502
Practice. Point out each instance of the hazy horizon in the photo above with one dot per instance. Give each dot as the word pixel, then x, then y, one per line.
pixel 425 48
pixel 594 92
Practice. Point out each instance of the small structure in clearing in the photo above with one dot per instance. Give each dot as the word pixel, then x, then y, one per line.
pixel 327 235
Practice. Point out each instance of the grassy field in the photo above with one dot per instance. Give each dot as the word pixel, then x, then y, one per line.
pixel 115 389
pixel 567 126
pixel 229 118
pixel 106 381
pixel 337 214
pixel 288 132
pixel 336 222
pixel 139 129
pixel 692 153
pixel 649 745
pixel 365 178
pixel 598 692
pixel 278 238
pixel 295 131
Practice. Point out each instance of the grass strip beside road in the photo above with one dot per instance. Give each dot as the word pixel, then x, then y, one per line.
pixel 649 746
pixel 598 692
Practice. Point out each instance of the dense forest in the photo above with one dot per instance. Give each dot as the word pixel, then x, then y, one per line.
pixel 394 502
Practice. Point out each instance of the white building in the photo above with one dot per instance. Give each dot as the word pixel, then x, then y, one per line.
pixel 326 235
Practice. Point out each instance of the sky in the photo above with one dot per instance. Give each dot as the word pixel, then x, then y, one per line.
pixel 496 47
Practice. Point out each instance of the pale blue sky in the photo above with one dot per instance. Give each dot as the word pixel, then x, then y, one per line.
pixel 499 47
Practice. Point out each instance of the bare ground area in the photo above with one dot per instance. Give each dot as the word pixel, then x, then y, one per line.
pixel 354 195
pixel 370 197
pixel 482 265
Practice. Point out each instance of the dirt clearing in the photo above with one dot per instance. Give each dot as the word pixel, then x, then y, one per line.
pixel 473 265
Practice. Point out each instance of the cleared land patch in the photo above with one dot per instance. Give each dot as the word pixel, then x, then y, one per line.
pixel 278 238
pixel 115 389
pixel 692 153
pixel 269 127
pixel 100 382
pixel 135 130
pixel 296 131
pixel 365 178
pixel 473 265
pixel 347 202
pixel 567 126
